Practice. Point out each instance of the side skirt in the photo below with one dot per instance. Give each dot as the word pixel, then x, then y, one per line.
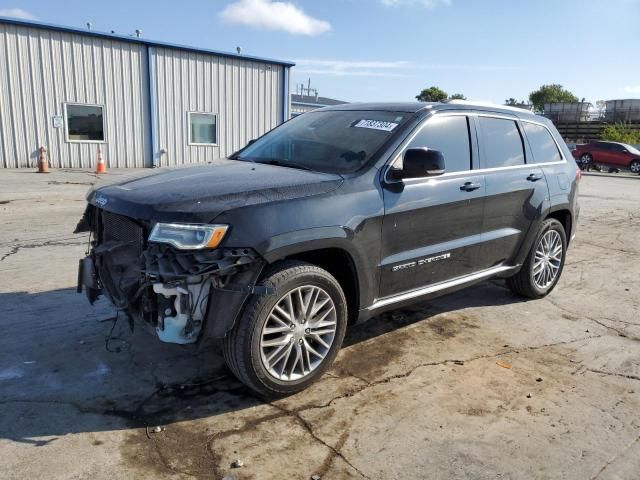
pixel 442 287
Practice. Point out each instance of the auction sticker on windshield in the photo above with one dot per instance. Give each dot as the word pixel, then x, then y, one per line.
pixel 376 125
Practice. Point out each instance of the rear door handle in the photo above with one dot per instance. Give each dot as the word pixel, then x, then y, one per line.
pixel 534 177
pixel 470 186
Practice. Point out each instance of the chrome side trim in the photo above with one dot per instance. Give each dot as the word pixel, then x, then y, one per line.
pixel 451 245
pixel 479 171
pixel 439 286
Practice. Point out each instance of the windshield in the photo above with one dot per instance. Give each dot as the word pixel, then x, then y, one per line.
pixel 326 141
pixel 632 149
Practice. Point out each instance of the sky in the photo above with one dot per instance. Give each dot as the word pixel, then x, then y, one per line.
pixel 389 50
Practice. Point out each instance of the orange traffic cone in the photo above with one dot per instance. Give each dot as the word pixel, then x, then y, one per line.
pixel 100 167
pixel 43 164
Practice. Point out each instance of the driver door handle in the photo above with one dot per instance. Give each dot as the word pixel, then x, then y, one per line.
pixel 534 177
pixel 470 186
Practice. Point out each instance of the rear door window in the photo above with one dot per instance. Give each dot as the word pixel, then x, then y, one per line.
pixel 543 146
pixel 449 135
pixel 501 141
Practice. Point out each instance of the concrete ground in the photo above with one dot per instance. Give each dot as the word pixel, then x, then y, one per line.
pixel 478 385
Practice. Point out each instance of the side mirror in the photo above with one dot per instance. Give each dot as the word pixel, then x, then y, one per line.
pixel 420 162
pixel 253 140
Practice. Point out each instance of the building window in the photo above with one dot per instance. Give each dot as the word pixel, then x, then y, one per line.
pixel 202 129
pixel 85 123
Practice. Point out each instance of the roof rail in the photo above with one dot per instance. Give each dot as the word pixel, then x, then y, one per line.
pixel 488 104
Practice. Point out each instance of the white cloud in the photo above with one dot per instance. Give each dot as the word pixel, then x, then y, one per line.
pixel 16 13
pixel 422 3
pixel 346 68
pixel 273 15
pixel 382 68
pixel 471 67
pixel 350 73
pixel 635 89
pixel 346 64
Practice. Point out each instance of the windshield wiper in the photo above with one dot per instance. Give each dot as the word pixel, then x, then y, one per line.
pixel 286 163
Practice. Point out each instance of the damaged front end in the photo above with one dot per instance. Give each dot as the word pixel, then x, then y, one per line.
pixel 172 277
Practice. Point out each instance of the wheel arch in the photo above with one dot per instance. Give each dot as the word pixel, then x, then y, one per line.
pixel 341 265
pixel 563 215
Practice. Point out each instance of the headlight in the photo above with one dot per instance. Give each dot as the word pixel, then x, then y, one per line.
pixel 187 237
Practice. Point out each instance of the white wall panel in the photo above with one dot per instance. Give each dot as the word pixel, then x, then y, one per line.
pixel 245 95
pixel 42 69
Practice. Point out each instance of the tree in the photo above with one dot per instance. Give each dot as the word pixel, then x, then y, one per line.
pixel 432 94
pixel 552 93
pixel 511 101
pixel 457 96
pixel 621 133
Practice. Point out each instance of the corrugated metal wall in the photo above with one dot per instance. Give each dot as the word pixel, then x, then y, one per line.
pixel 245 95
pixel 41 69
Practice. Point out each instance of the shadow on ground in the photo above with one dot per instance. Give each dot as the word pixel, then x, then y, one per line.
pixel 66 368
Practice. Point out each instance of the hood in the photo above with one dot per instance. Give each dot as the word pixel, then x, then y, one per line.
pixel 200 193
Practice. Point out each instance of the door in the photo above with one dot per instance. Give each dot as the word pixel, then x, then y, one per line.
pixel 516 188
pixel 618 156
pixel 432 226
pixel 600 153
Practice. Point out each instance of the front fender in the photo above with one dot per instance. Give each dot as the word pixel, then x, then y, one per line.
pixel 320 238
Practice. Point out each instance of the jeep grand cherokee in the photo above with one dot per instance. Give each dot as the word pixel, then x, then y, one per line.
pixel 333 217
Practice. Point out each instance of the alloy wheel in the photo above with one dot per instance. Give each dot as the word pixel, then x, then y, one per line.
pixel 547 260
pixel 298 333
pixel 635 167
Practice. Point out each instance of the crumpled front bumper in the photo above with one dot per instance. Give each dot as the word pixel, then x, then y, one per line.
pixel 186 295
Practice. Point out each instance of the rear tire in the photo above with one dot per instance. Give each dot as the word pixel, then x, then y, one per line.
pixel 542 269
pixel 586 160
pixel 284 342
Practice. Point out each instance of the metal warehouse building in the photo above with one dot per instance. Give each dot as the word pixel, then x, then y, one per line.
pixel 144 103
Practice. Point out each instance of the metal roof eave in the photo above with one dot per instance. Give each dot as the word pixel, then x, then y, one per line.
pixel 141 41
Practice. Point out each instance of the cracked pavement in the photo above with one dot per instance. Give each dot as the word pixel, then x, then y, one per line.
pixel 421 392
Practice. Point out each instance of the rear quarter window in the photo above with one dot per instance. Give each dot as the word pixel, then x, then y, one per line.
pixel 543 146
pixel 501 142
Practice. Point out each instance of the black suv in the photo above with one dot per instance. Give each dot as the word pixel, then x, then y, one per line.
pixel 333 217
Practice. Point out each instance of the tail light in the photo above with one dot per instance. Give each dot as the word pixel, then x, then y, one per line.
pixel 578 174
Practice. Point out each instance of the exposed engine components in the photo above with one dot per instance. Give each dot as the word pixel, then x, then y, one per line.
pixel 165 260
pixel 164 287
pixel 181 309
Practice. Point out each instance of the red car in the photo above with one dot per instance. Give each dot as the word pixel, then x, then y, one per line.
pixel 610 155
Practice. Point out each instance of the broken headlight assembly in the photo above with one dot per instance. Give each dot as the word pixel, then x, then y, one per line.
pixel 184 236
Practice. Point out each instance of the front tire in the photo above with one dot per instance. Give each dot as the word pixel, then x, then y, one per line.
pixel 635 167
pixel 542 269
pixel 284 342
